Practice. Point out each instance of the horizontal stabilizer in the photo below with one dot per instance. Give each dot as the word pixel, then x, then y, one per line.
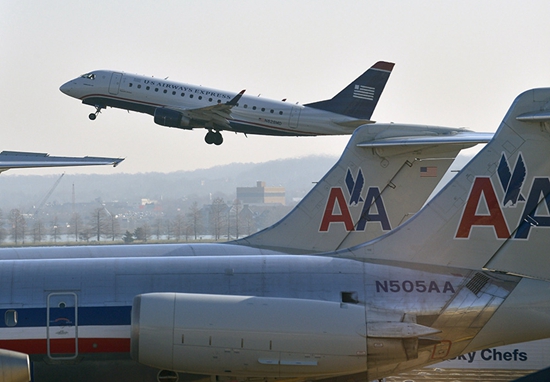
pixel 459 138
pixel 538 116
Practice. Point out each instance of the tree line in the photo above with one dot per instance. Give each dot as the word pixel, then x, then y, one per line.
pixel 218 221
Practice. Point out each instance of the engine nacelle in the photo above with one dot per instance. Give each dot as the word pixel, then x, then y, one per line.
pixel 171 118
pixel 14 366
pixel 248 336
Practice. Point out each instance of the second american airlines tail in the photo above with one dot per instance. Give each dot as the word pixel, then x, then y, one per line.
pixel 495 214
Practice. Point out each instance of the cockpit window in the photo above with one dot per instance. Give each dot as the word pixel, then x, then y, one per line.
pixel 89 76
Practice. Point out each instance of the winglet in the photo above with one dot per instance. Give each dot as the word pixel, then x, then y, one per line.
pixel 235 99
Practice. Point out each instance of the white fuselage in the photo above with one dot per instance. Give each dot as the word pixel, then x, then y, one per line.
pixel 251 115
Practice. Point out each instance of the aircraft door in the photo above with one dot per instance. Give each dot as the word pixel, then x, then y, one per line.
pixel 115 83
pixel 294 117
pixel 62 325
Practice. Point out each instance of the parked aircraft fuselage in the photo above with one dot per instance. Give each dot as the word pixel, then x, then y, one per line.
pixel 78 311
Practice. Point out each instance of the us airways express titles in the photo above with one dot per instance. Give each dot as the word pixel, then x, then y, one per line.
pixel 185 106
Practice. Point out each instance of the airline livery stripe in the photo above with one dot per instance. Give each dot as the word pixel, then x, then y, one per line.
pixel 100 316
pixel 85 345
pixel 115 331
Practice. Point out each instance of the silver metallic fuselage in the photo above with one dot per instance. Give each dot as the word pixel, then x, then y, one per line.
pixel 458 302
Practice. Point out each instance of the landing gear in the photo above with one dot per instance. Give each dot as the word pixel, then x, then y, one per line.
pixel 93 116
pixel 214 137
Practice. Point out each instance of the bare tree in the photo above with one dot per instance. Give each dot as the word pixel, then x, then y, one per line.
pixel 195 219
pixel 113 227
pixel 2 229
pixel 38 231
pixel 217 217
pixel 55 229
pixel 17 226
pixel 178 228
pixel 237 207
pixel 246 217
pixel 168 228
pixel 158 227
pixel 99 223
pixel 75 225
pixel 85 234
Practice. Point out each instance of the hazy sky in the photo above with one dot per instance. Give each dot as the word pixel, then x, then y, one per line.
pixel 458 63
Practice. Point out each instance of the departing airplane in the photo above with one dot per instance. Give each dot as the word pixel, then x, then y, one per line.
pixel 465 273
pixel 185 106
pixel 21 159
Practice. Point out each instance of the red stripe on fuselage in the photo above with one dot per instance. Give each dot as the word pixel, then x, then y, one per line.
pixel 66 346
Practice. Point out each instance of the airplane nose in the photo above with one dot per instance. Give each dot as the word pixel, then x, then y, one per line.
pixel 66 88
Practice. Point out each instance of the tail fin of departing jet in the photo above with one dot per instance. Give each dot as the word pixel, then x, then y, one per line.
pixel 495 213
pixel 383 177
pixel 360 97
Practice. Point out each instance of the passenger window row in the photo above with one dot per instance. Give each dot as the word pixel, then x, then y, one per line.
pixel 165 91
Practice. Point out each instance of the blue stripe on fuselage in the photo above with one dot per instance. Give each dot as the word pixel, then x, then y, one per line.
pixel 97 316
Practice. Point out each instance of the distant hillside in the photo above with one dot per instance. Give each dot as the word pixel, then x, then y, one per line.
pixel 296 175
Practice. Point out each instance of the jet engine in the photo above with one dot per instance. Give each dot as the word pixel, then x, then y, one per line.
pixel 248 336
pixel 170 118
pixel 14 366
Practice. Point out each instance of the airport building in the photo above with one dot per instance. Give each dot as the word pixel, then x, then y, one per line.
pixel 261 194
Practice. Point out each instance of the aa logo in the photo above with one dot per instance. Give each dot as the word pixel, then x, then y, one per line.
pixel 511 182
pixel 337 208
pixel 482 197
pixel 355 187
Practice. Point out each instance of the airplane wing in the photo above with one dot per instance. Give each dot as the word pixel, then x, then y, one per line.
pixel 468 137
pixel 20 159
pixel 217 114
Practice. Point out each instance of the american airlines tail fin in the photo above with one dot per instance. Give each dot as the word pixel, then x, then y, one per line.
pixel 383 177
pixel 360 97
pixel 495 213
